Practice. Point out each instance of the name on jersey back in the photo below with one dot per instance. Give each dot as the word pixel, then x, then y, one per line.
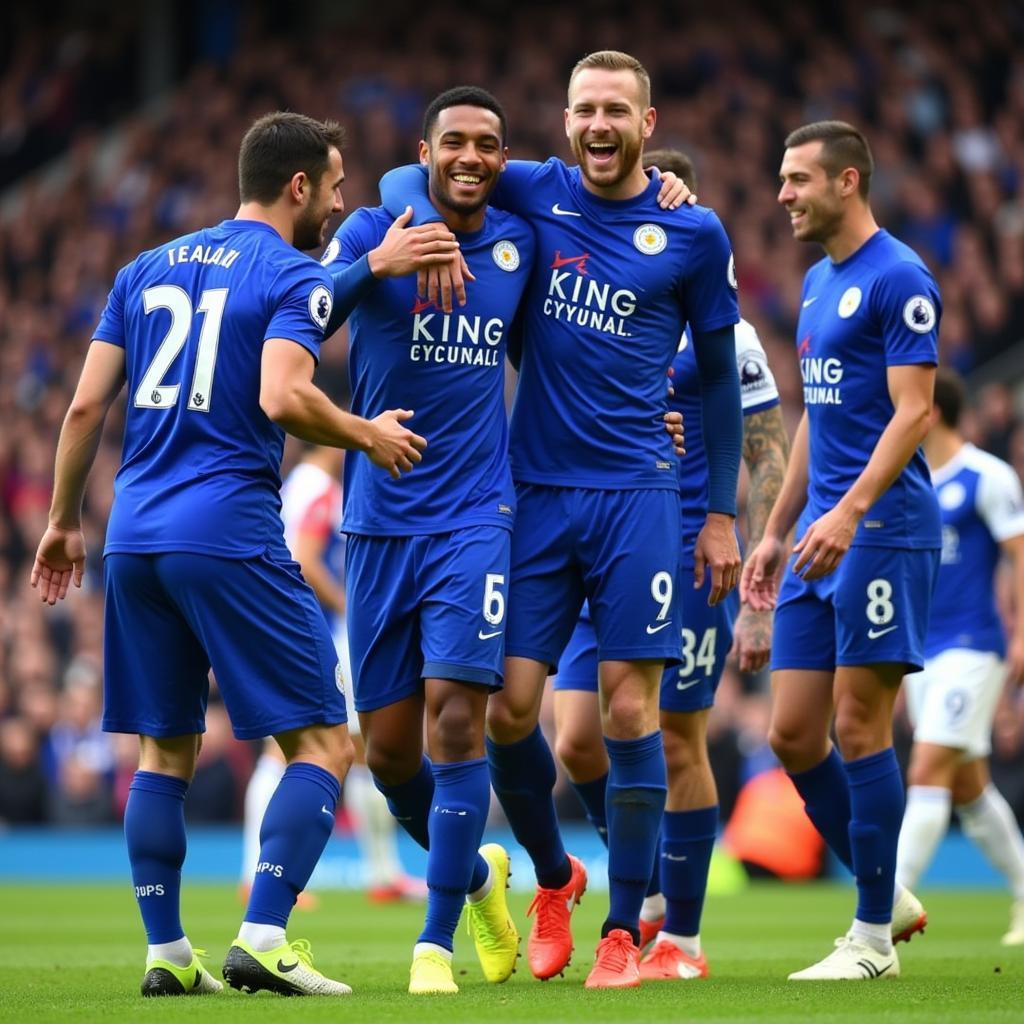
pixel 206 254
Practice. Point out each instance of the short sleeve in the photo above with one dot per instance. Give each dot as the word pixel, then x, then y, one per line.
pixel 516 190
pixel 709 284
pixel 303 304
pixel 908 311
pixel 758 389
pixel 1000 502
pixel 111 325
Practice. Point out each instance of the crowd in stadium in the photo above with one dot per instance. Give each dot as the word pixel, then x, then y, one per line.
pixel 942 100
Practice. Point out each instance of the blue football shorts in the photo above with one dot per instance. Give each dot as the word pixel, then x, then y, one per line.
pixel 619 550
pixel 169 618
pixel 872 610
pixel 689 685
pixel 431 606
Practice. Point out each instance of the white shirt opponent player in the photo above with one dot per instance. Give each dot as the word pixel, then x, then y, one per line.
pixel 968 661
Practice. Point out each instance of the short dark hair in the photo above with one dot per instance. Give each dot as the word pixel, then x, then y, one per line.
pixel 279 145
pixel 463 96
pixel 842 146
pixel 673 160
pixel 950 395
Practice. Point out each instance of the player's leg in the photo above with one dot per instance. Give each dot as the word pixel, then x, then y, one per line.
pixel 630 548
pixel 690 824
pixel 926 816
pixel 544 600
pixel 164 701
pixel 278 672
pixel 462 579
pixel 579 742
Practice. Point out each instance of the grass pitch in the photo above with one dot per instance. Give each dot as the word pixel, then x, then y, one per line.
pixel 77 952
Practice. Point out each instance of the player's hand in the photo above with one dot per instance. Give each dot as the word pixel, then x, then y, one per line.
pixel 395 447
pixel 752 639
pixel 60 559
pixel 760 580
pixel 821 548
pixel 1015 661
pixel 673 192
pixel 403 250
pixel 674 429
pixel 439 282
pixel 717 550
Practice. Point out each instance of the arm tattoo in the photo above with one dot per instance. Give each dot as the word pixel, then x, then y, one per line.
pixel 765 451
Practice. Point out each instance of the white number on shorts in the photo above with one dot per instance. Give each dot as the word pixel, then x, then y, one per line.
pixel 705 657
pixel 661 591
pixel 494 599
pixel 880 609
pixel 151 394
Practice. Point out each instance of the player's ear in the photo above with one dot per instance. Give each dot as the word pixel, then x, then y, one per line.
pixel 504 159
pixel 849 181
pixel 299 187
pixel 650 117
pixel 567 135
pixel 424 153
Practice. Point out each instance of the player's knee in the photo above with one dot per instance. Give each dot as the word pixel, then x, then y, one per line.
pixel 797 750
pixel 392 764
pixel 583 757
pixel 683 754
pixel 858 731
pixel 508 722
pixel 630 714
pixel 458 732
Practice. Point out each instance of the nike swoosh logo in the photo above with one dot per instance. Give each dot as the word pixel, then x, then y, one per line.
pixel 286 968
pixel 559 212
pixel 323 807
pixel 807 302
pixel 686 686
pixel 673 856
pixel 651 630
pixel 874 634
pixel 481 635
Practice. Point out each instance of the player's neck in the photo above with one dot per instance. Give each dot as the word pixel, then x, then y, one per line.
pixel 278 219
pixel 941 445
pixel 634 184
pixel 856 227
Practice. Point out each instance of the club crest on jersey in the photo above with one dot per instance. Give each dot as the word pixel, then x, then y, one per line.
pixel 919 314
pixel 339 679
pixel 953 495
pixel 505 255
pixel 331 252
pixel 850 302
pixel 650 239
pixel 730 273
pixel 320 304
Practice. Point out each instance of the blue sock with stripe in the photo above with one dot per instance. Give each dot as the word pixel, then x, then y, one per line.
pixel 635 806
pixel 296 826
pixel 154 829
pixel 462 796
pixel 410 802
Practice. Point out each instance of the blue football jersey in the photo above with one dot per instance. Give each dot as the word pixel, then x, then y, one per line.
pixel 878 308
pixel 201 463
pixel 405 352
pixel 615 283
pixel 758 392
pixel 981 504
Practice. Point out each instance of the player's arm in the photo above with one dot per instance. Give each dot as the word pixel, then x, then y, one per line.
pixel 761 572
pixel 290 398
pixel 716 547
pixel 765 449
pixel 1013 548
pixel 61 553
pixel 828 538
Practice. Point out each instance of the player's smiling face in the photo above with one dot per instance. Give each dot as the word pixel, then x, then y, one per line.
pixel 464 155
pixel 811 198
pixel 324 200
pixel 607 125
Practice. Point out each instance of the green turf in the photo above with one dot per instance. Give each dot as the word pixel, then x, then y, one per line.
pixel 76 953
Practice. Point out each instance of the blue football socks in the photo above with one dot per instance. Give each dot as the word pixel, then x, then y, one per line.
pixel 825 790
pixel 635 804
pixel 296 826
pixel 523 776
pixel 154 829
pixel 592 795
pixel 462 795
pixel 687 842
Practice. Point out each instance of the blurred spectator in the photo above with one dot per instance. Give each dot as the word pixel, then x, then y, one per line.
pixel 82 797
pixel 23 788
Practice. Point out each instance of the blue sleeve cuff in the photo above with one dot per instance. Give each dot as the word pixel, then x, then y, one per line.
pixel 407 186
pixel 350 285
pixel 721 414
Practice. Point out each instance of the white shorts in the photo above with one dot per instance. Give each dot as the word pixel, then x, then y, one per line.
pixel 953 701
